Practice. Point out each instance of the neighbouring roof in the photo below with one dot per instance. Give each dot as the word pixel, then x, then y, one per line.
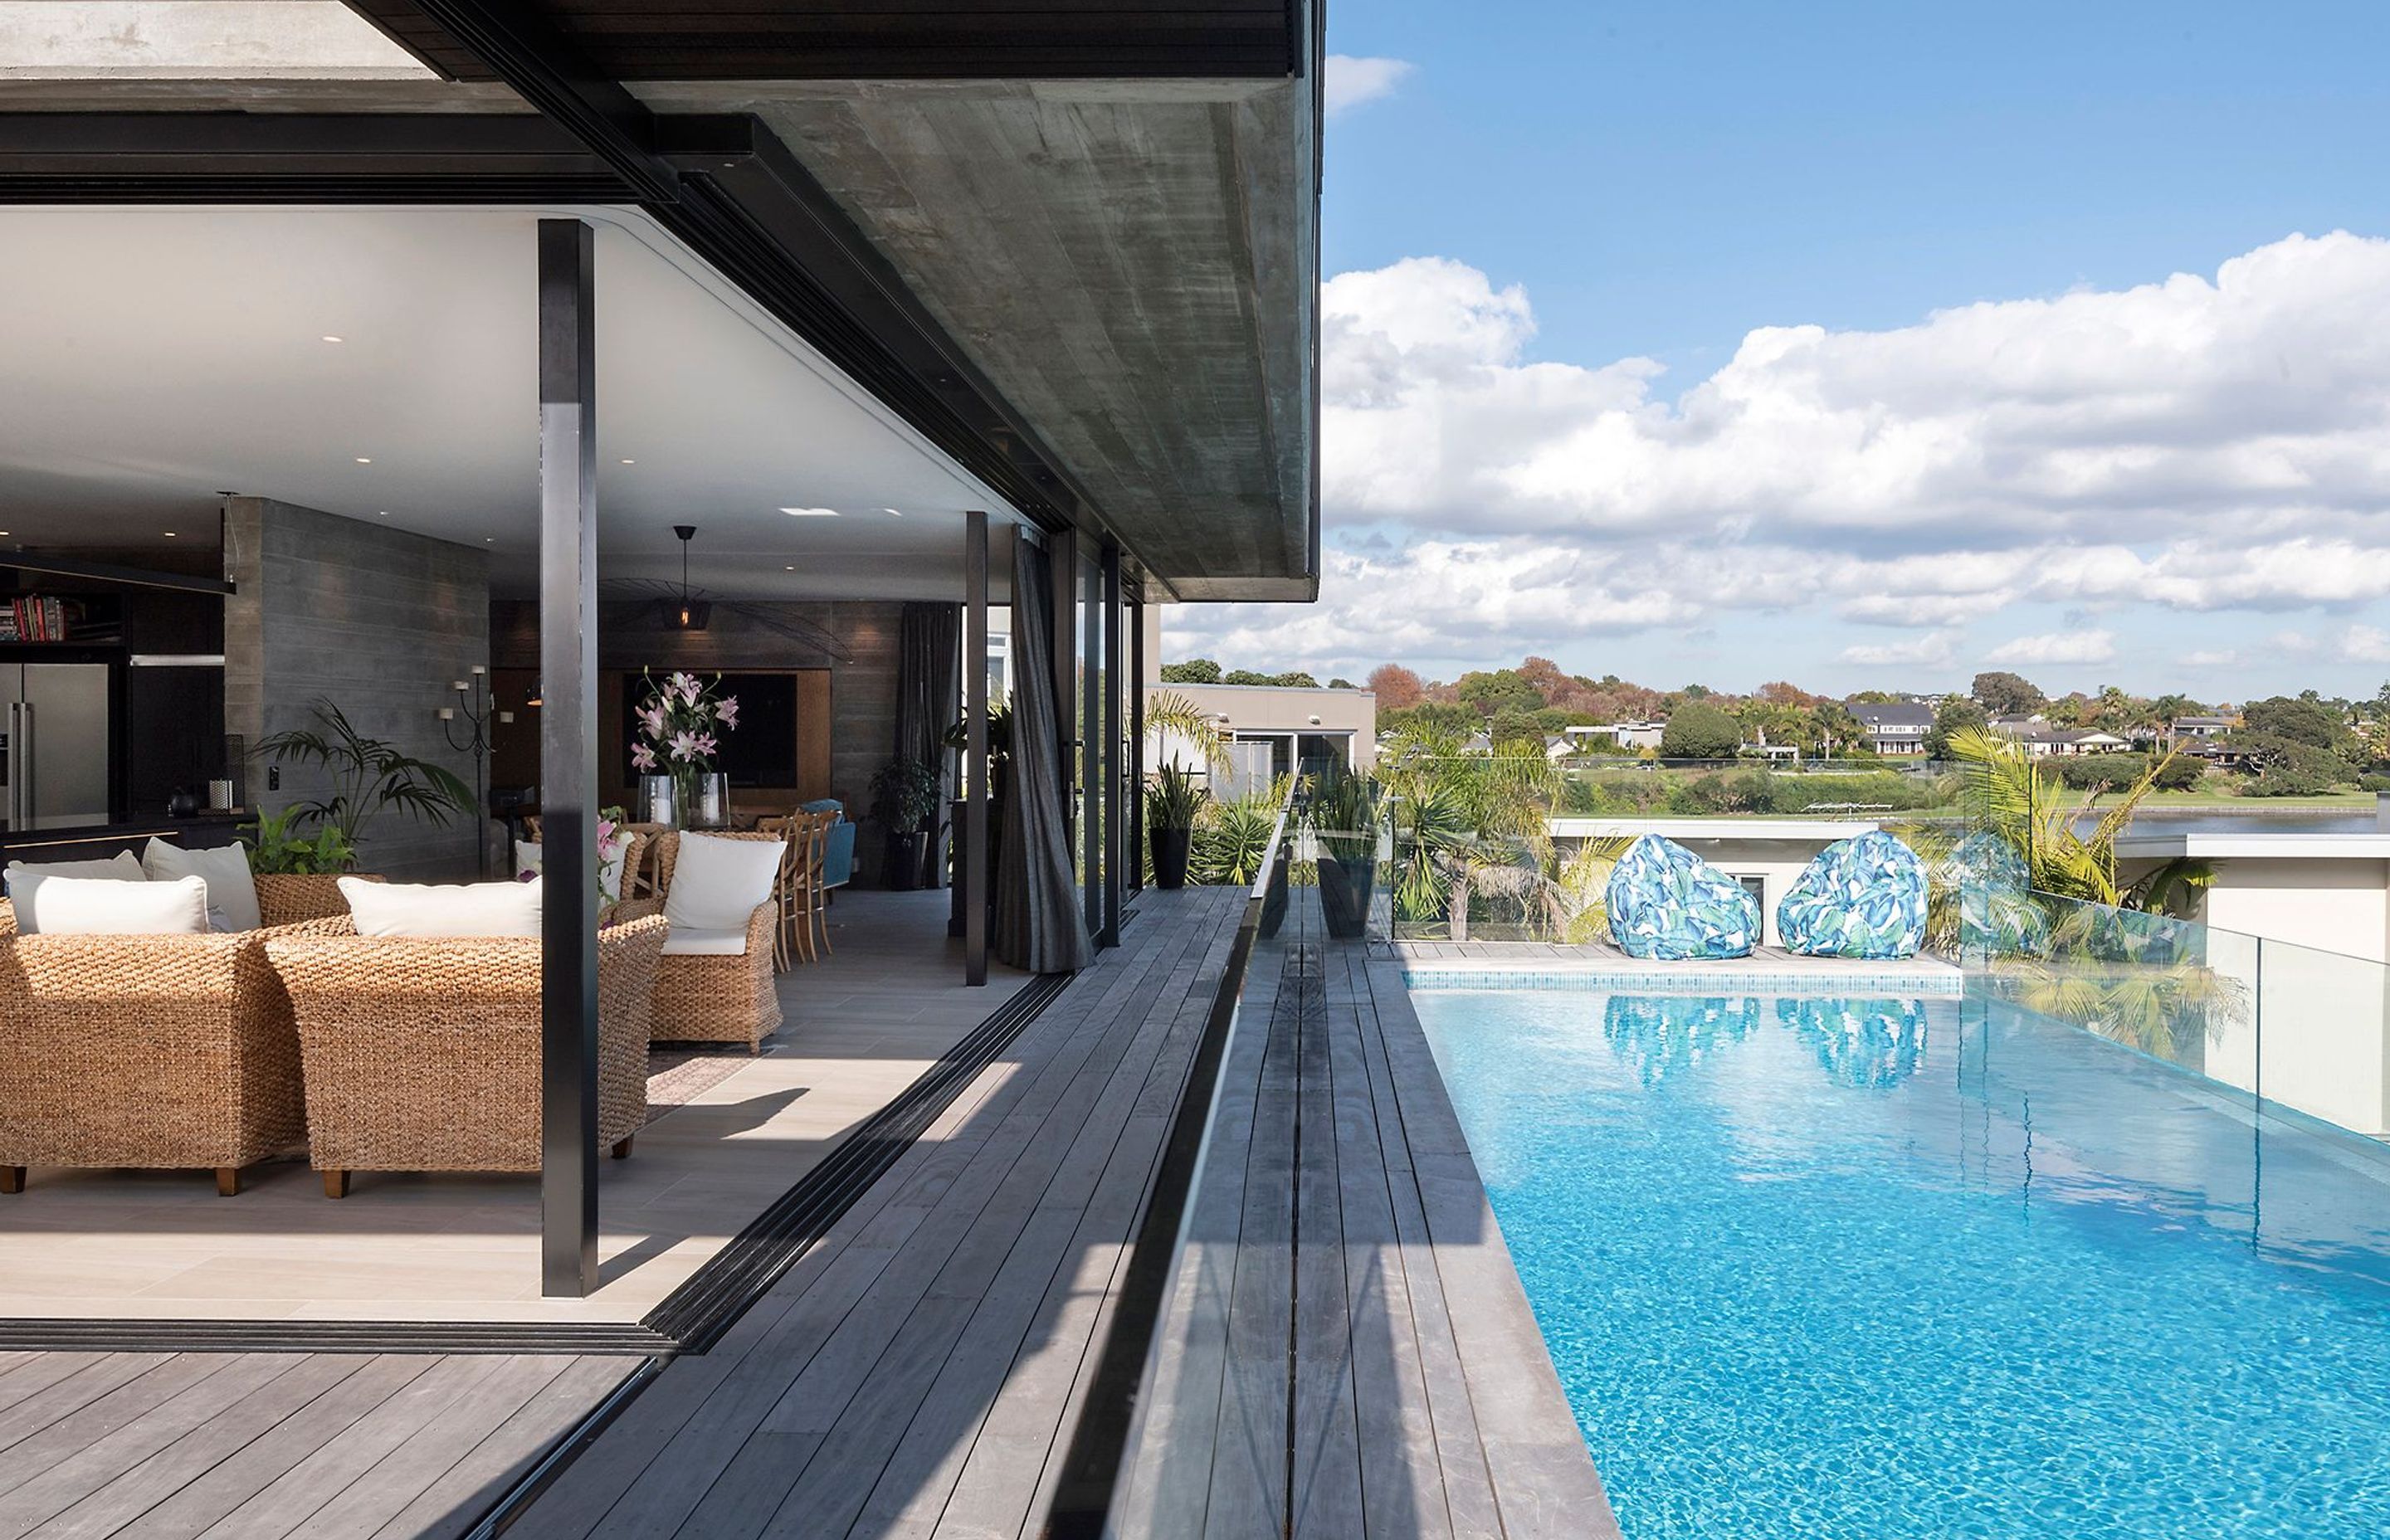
pixel 1877 716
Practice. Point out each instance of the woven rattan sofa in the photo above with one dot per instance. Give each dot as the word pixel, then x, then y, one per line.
pixel 161 1052
pixel 718 999
pixel 424 1055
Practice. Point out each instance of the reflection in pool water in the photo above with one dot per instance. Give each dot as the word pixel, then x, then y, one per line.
pixel 1860 1043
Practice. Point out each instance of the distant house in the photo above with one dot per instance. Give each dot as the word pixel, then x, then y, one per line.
pixel 1625 735
pixel 2199 727
pixel 2042 740
pixel 1893 727
pixel 1558 748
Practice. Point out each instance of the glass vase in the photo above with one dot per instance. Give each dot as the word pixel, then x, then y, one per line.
pixel 705 800
pixel 659 801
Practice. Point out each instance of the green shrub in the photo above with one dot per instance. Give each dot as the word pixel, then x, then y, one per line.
pixel 2083 772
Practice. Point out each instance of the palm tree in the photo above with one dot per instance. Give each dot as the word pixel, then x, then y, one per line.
pixel 2023 804
pixel 1467 820
pixel 2118 958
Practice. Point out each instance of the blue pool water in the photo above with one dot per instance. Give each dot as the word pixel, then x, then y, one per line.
pixel 1890 1269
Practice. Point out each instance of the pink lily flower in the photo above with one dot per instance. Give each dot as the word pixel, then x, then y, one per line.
pixel 728 711
pixel 684 746
pixel 643 759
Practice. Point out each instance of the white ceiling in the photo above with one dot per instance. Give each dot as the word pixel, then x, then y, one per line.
pixel 150 358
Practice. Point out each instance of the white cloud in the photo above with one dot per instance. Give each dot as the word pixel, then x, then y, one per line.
pixel 2057 646
pixel 2365 644
pixel 1352 81
pixel 2197 445
pixel 2209 658
pixel 1935 649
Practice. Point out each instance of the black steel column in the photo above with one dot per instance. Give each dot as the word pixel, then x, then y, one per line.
pixel 1089 591
pixel 975 873
pixel 1113 718
pixel 1134 621
pixel 567 743
pixel 1062 553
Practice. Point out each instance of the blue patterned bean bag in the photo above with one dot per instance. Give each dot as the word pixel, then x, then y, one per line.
pixel 1997 913
pixel 1862 897
pixel 1668 903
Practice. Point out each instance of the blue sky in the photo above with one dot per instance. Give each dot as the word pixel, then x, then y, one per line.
pixel 1547 191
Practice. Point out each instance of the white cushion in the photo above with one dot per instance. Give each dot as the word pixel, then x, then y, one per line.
pixel 706 943
pixel 427 909
pixel 716 883
pixel 123 866
pixel 529 860
pixel 232 893
pixel 110 907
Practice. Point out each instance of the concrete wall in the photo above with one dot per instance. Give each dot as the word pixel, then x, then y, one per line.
pixel 375 619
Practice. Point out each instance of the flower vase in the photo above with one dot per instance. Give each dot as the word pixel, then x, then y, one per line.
pixel 705 800
pixel 659 801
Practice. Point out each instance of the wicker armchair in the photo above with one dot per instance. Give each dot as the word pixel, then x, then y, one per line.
pixel 424 1055
pixel 158 1052
pixel 718 999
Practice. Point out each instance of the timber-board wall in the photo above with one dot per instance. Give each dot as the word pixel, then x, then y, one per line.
pixel 861 711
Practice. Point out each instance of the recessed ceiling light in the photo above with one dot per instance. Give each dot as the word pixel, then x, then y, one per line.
pixel 811 513
pixel 630 462
pixel 330 338
pixel 364 459
pixel 385 513
pixel 169 534
pixel 784 569
pixel 489 540
pixel 892 512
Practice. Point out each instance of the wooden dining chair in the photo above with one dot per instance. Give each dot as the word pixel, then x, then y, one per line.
pixel 798 892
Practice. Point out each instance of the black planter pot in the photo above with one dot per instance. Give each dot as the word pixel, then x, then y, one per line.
pixel 1345 887
pixel 900 862
pixel 1170 847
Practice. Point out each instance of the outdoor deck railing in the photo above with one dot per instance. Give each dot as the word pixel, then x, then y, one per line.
pixel 2298 1028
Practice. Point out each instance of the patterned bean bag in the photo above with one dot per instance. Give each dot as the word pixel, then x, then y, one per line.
pixel 1666 903
pixel 1862 897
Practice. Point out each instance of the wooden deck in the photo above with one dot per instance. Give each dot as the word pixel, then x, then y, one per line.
pixel 264 1446
pixel 917 1372
pixel 1345 1349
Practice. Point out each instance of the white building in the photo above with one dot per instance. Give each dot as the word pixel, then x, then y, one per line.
pixel 1267 730
pixel 2303 921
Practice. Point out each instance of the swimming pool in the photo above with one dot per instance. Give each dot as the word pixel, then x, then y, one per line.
pixel 1894 1268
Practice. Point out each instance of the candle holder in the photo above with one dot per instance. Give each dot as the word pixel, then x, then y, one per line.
pixel 477 710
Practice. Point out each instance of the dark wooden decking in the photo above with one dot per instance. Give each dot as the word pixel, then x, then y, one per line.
pixel 260 1446
pixel 1345 1349
pixel 917 1372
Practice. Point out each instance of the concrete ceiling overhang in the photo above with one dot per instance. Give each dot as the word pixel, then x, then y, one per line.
pixel 1078 245
pixel 1133 265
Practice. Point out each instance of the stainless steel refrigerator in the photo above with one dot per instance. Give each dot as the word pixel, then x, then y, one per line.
pixel 58 751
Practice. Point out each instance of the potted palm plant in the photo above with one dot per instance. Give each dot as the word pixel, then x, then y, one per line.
pixel 1344 818
pixel 1171 800
pixel 905 799
pixel 369 776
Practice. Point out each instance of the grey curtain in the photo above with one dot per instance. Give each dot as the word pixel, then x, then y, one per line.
pixel 1039 923
pixel 929 685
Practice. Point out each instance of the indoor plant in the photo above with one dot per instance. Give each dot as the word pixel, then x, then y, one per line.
pixel 680 725
pixel 368 776
pixel 905 800
pixel 1171 800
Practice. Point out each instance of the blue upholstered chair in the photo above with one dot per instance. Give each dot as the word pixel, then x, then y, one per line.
pixel 838 854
